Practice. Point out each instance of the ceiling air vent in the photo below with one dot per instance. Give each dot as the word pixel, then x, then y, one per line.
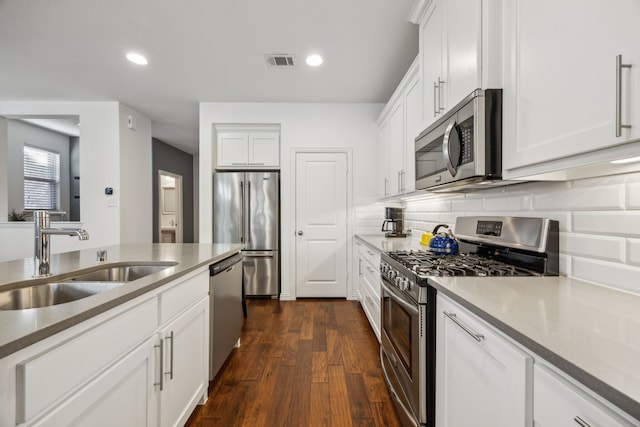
pixel 279 60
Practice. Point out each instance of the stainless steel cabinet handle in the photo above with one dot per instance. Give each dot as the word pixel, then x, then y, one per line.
pixel 370 269
pixel 440 83
pixel 238 163
pixel 170 337
pixel 300 232
pixel 256 163
pixel 370 253
pixel 402 173
pixel 454 318
pixel 435 106
pixel 619 67
pixel 386 181
pixel 581 422
pixel 161 365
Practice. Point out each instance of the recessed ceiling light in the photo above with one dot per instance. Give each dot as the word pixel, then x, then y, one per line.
pixel 314 60
pixel 136 58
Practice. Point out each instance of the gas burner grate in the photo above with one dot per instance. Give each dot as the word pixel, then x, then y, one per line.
pixel 428 264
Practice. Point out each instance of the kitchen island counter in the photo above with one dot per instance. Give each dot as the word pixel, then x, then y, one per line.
pixel 21 328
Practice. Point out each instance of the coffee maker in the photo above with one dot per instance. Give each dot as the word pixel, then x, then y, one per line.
pixel 392 224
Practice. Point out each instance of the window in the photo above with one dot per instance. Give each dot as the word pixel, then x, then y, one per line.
pixel 41 179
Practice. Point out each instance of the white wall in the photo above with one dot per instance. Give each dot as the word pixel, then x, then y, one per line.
pixel 134 194
pixel 302 126
pixel 599 221
pixel 100 134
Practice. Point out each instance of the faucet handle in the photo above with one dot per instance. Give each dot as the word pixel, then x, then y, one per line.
pixel 101 255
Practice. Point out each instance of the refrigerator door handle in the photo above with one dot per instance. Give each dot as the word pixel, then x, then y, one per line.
pixel 249 212
pixel 242 213
pixel 251 254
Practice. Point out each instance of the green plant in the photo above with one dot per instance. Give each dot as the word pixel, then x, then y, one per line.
pixel 17 216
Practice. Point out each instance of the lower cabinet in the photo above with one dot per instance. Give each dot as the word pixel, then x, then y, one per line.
pixel 185 364
pixel 560 403
pixel 144 363
pixel 369 284
pixel 121 396
pixel 481 379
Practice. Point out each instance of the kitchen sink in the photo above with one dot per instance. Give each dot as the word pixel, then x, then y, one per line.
pixel 51 294
pixel 69 287
pixel 123 272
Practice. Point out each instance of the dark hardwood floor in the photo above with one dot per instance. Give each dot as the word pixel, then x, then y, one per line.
pixel 301 363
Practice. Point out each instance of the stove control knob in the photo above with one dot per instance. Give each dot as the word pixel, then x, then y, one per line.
pixel 391 274
pixel 402 283
pixel 384 267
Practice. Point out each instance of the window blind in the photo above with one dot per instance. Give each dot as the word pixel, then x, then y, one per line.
pixel 41 179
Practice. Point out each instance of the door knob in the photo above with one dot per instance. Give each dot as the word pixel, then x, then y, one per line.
pixel 300 232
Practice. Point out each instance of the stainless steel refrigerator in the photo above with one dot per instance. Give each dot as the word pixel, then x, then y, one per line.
pixel 246 209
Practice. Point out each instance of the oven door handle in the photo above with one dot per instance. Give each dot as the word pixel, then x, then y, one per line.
pixel 398 299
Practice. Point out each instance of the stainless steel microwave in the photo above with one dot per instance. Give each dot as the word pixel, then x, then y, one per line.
pixel 462 149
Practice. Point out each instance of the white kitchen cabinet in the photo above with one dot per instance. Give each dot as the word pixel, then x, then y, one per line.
pixel 453 48
pixel 243 148
pixel 185 347
pixel 369 284
pixel 399 123
pixel 481 378
pixel 384 181
pixel 560 92
pixel 107 370
pixel 560 403
pixel 123 395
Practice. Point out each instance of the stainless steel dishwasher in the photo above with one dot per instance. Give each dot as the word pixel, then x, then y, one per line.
pixel 226 310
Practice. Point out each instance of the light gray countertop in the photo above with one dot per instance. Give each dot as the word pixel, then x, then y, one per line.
pixel 590 332
pixel 21 328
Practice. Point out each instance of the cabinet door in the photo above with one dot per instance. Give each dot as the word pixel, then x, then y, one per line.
pixel 463 49
pixel 557 403
pixel 122 396
pixel 186 362
pixel 560 77
pixel 383 161
pixel 431 40
pixel 264 149
pixel 396 147
pixel 414 124
pixel 482 379
pixel 233 149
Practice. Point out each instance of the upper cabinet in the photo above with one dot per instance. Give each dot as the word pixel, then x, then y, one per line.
pixel 460 51
pixel 399 123
pixel 245 147
pixel 571 84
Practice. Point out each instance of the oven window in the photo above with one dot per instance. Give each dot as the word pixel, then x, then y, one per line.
pixel 397 323
pixel 429 159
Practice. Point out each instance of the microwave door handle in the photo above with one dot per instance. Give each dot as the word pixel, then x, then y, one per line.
pixel 446 149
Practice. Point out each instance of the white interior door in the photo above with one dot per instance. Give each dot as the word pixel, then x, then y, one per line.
pixel 321 224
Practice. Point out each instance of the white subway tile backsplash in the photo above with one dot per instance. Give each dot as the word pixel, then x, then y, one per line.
pixel 633 251
pixel 521 202
pixel 615 275
pixel 599 221
pixel 633 195
pixel 613 223
pixel 589 246
pixel 608 197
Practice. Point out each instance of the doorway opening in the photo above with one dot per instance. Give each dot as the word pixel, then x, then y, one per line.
pixel 170 207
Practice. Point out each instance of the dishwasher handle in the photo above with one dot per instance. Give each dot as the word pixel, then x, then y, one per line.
pixel 222 266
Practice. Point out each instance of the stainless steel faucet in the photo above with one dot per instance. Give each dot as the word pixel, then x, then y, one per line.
pixel 42 246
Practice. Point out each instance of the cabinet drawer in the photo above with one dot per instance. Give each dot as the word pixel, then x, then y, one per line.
pixel 558 403
pixel 371 305
pixel 372 277
pixel 184 293
pixel 370 255
pixel 49 376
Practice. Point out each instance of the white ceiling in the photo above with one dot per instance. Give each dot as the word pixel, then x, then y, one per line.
pixel 202 51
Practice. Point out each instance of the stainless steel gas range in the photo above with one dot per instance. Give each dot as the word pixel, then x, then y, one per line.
pixel 489 246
